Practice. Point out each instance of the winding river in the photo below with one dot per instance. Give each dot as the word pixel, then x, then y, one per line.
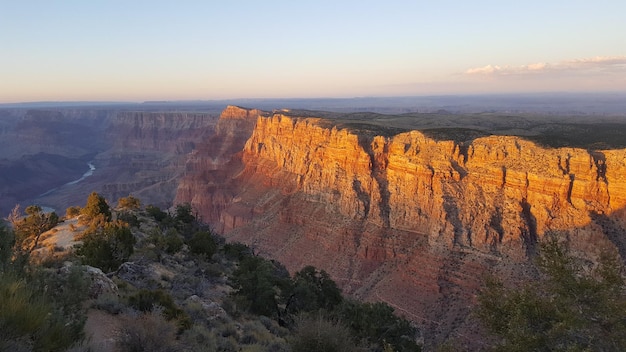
pixel 88 173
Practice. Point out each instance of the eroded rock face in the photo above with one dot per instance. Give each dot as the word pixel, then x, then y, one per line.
pixel 208 182
pixel 403 218
pixel 147 153
pixel 493 193
pixel 167 132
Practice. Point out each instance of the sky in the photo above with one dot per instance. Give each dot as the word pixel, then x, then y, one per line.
pixel 136 50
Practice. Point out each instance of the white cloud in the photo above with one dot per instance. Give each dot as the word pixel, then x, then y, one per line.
pixel 486 70
pixel 592 65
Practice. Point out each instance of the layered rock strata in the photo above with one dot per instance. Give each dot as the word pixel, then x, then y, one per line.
pixel 138 153
pixel 211 167
pixel 403 218
pixel 493 193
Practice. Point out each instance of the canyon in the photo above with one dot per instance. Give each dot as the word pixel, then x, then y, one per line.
pixel 400 216
pixel 413 209
pixel 140 152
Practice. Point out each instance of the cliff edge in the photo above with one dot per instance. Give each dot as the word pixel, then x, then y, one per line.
pixel 399 216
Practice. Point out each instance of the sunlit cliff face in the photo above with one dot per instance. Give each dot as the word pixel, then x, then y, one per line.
pixel 402 217
pixel 491 192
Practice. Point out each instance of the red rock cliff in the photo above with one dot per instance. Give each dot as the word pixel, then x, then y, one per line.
pixel 209 169
pixel 493 193
pixel 404 219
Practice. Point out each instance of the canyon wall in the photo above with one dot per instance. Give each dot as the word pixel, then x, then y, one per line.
pixel 43 149
pixel 172 133
pixel 403 218
pixel 147 153
pixel 493 193
pixel 138 153
pixel 208 183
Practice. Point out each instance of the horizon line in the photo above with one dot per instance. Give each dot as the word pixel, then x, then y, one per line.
pixel 221 100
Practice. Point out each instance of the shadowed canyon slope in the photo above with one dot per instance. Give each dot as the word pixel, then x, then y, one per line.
pixel 396 215
pixel 143 153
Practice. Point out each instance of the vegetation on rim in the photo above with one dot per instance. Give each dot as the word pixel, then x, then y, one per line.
pixel 179 287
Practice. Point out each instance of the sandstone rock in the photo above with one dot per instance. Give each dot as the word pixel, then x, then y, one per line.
pixel 402 218
pixel 495 192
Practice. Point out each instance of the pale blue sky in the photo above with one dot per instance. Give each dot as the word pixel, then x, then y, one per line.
pixel 155 50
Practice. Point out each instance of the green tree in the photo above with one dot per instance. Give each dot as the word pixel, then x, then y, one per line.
pixel 12 259
pixel 169 242
pixel 237 250
pixel 313 290
pixel 29 228
pixel 567 308
pixel 108 246
pixel 172 242
pixel 156 213
pixel 376 324
pixel 96 205
pixel 259 284
pixel 202 243
pixel 184 214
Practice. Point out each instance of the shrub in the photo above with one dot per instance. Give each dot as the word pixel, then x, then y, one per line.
pixel 129 202
pixel 568 308
pixel 156 213
pixel 203 243
pixel 260 338
pixel 184 214
pixel 7 241
pixel 147 332
pixel 110 303
pixel 258 285
pixel 30 320
pixel 199 338
pixel 107 247
pixel 147 300
pixel 66 290
pixel 96 205
pixel 376 324
pixel 237 250
pixel 172 242
pixel 72 212
pixel 313 290
pixel 318 334
pixel 169 243
pixel 129 218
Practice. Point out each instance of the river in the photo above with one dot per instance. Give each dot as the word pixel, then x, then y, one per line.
pixel 87 173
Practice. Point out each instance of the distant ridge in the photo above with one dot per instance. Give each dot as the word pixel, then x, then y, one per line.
pixel 592 103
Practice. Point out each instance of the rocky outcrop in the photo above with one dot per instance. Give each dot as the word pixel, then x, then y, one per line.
pixel 98 282
pixel 493 193
pixel 402 217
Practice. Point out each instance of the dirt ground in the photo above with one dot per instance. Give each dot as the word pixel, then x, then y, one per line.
pixel 101 331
